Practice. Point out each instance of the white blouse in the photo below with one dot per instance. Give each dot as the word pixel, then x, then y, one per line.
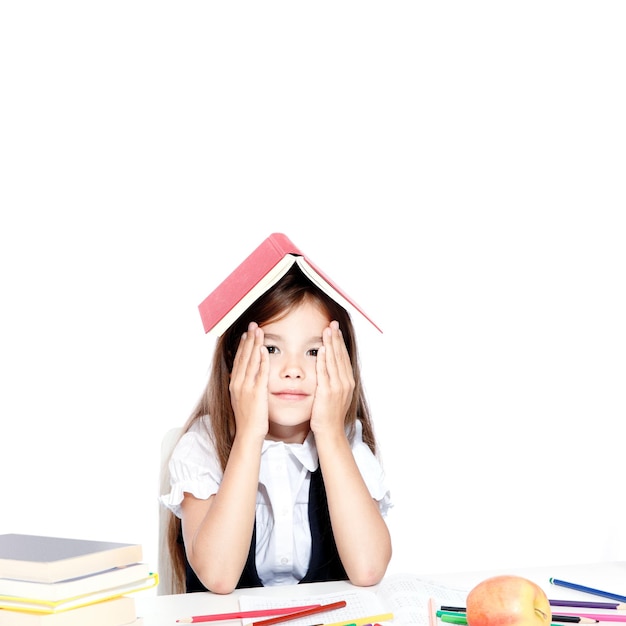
pixel 283 538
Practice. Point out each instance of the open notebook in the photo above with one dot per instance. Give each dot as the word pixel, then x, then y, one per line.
pixel 404 595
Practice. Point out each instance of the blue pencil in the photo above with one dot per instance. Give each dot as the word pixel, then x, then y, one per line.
pixel 595 592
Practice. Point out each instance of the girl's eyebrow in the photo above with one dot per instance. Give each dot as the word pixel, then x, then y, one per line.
pixel 273 337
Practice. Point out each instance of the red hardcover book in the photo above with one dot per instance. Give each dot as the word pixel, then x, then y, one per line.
pixel 264 267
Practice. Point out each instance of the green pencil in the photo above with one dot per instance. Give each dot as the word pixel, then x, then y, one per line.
pixel 451 618
pixel 456 617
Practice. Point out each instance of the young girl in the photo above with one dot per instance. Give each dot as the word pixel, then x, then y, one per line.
pixel 275 480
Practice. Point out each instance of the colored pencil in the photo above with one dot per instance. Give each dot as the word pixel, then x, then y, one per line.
pixel 298 614
pixel 584 604
pixel 432 612
pixel 216 617
pixel 448 618
pixel 587 604
pixel 461 620
pixel 563 618
pixel 362 621
pixel 595 592
pixel 602 617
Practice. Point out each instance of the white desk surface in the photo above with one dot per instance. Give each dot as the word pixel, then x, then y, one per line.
pixel 165 610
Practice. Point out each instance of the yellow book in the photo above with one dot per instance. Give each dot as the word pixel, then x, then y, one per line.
pixel 36 605
pixel 114 612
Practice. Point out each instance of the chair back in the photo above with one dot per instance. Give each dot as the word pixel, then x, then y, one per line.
pixel 166 585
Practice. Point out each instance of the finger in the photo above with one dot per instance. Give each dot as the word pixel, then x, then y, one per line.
pixel 264 366
pixel 329 359
pixel 321 367
pixel 236 371
pixel 244 352
pixel 258 356
pixel 340 356
pixel 253 356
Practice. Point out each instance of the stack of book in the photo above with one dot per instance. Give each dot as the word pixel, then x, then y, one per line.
pixel 57 581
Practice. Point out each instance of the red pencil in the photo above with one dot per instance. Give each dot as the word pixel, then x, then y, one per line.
pixel 214 617
pixel 298 614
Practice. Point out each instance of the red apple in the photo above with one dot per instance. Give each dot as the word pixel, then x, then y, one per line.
pixel 508 601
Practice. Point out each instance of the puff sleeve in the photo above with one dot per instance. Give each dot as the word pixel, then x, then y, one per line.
pixel 194 468
pixel 371 471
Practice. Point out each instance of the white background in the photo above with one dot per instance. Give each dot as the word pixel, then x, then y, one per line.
pixel 458 167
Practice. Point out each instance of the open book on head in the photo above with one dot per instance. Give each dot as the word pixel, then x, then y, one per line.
pixel 404 596
pixel 257 273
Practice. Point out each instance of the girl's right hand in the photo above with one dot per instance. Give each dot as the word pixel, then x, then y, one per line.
pixel 249 379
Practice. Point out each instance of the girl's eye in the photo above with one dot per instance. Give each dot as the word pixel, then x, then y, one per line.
pixel 272 349
pixel 312 352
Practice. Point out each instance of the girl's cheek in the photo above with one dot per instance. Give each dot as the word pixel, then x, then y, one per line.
pixel 271 367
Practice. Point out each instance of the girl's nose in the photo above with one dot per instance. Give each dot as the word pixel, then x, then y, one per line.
pixel 293 372
pixel 293 369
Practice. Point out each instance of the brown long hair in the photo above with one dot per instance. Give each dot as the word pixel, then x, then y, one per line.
pixel 293 289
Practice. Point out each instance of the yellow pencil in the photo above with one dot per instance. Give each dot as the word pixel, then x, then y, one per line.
pixel 361 621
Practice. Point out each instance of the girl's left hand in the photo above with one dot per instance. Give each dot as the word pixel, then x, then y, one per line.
pixel 335 383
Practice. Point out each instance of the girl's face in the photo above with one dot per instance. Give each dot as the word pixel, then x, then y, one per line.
pixel 293 342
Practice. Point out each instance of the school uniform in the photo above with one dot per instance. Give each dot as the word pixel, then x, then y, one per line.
pixel 292 539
